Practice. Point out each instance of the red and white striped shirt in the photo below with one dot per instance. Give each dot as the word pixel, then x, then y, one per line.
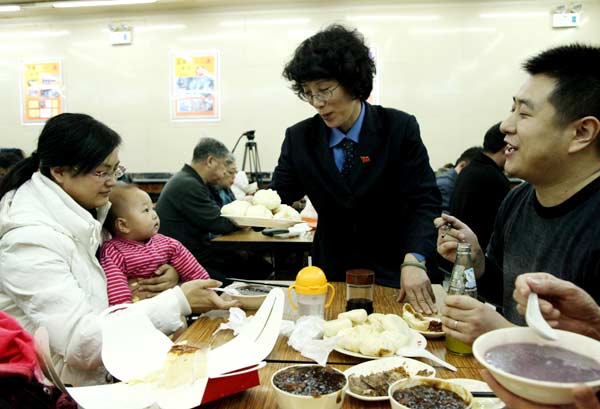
pixel 122 259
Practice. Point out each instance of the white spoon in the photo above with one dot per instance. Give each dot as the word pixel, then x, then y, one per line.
pixel 230 291
pixel 423 353
pixel 535 320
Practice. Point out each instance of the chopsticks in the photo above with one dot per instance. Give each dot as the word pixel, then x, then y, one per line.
pixel 269 284
pixel 482 394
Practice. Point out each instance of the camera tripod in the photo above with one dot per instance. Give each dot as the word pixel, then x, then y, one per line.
pixel 250 157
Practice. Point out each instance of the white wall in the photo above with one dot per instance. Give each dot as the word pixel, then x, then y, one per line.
pixel 456 73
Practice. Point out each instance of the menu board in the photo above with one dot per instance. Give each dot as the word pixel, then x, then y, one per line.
pixel 195 86
pixel 42 93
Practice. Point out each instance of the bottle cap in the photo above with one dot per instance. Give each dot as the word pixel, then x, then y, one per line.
pixel 311 280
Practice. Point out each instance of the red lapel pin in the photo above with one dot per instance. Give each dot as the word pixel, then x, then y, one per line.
pixel 365 159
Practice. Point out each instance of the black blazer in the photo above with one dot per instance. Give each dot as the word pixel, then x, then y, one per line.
pixel 386 210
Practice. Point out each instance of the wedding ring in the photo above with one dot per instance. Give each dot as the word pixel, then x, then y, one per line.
pixel 455 324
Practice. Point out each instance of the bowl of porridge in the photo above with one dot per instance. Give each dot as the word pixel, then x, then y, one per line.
pixel 250 295
pixel 540 370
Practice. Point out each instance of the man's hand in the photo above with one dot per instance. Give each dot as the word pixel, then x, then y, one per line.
pixel 165 277
pixel 415 288
pixel 465 318
pixel 562 303
pixel 451 231
pixel 202 300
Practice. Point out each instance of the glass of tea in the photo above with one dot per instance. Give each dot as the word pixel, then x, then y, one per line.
pixel 359 289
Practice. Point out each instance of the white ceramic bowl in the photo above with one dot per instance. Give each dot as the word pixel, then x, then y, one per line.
pixel 553 393
pixel 436 382
pixel 249 302
pixel 286 400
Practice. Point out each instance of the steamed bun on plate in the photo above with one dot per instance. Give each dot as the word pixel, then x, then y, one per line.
pixel 285 212
pixel 268 198
pixel 259 211
pixel 237 208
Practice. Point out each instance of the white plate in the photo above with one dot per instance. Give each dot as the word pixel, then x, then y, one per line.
pixel 261 222
pixel 412 366
pixel 416 341
pixel 479 386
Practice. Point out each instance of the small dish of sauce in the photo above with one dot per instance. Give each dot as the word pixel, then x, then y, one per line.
pixel 427 397
pixel 310 380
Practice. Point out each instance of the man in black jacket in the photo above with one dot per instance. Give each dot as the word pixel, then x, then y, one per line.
pixel 478 193
pixel 189 213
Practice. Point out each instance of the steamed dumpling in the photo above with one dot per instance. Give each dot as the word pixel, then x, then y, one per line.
pixel 333 327
pixel 259 211
pixel 392 322
pixel 285 212
pixel 237 208
pixel 378 346
pixel 268 198
pixel 357 316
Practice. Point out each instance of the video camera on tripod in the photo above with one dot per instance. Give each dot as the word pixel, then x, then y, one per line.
pixel 251 157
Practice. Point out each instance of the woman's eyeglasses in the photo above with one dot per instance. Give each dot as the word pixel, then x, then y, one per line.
pixel 105 175
pixel 321 96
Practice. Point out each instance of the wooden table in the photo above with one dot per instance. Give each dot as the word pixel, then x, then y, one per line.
pixel 251 240
pixel 282 355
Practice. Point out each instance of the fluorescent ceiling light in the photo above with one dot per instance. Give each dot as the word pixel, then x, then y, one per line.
pixel 9 8
pixel 266 22
pixel 452 30
pixel 393 18
pixel 515 14
pixel 98 3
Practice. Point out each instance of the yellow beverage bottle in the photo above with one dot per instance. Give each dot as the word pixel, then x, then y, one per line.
pixel 462 283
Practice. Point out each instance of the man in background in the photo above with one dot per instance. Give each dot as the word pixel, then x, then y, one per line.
pixel 189 213
pixel 446 180
pixel 478 193
pixel 8 158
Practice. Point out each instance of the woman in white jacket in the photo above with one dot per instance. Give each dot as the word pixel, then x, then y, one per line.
pixel 52 208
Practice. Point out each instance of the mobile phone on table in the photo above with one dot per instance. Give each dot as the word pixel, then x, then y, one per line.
pixel 272 231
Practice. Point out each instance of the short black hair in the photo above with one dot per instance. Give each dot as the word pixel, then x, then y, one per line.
pixel 468 155
pixel 493 141
pixel 335 53
pixel 576 70
pixel 212 147
pixel 8 159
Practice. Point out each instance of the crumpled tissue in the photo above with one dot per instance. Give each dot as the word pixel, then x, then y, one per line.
pixel 305 337
pixel 237 321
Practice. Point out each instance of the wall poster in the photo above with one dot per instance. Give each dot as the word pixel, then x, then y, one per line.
pixel 42 92
pixel 195 87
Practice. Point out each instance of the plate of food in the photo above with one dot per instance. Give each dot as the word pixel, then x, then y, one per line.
pixel 265 210
pixel 431 327
pixel 370 380
pixel 474 385
pixel 371 336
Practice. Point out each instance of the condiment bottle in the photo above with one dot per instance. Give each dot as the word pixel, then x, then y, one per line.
pixel 359 289
pixel 311 288
pixel 462 283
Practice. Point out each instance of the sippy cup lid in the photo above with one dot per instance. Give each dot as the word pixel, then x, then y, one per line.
pixel 311 280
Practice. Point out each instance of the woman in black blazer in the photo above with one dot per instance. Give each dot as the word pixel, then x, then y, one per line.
pixel 364 168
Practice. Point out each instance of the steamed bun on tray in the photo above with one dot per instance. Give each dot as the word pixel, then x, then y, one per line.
pixel 373 335
pixel 265 210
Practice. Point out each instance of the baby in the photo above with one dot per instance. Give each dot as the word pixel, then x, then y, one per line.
pixel 136 249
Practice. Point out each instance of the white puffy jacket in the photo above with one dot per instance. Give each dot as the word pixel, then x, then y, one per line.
pixel 49 276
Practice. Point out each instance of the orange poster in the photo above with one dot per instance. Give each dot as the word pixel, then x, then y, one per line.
pixel 195 87
pixel 42 93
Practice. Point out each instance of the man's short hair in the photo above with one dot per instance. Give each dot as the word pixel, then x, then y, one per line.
pixel 493 141
pixel 8 159
pixel 210 147
pixel 468 155
pixel 576 70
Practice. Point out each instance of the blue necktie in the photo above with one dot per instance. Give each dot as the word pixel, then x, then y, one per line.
pixel 349 148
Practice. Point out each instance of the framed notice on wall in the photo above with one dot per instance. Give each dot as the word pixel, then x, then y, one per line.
pixel 42 90
pixel 195 87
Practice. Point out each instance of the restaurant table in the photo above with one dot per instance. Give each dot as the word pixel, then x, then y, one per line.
pixel 251 240
pixel 282 355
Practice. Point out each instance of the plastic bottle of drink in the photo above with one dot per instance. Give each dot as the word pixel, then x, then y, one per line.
pixel 462 283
